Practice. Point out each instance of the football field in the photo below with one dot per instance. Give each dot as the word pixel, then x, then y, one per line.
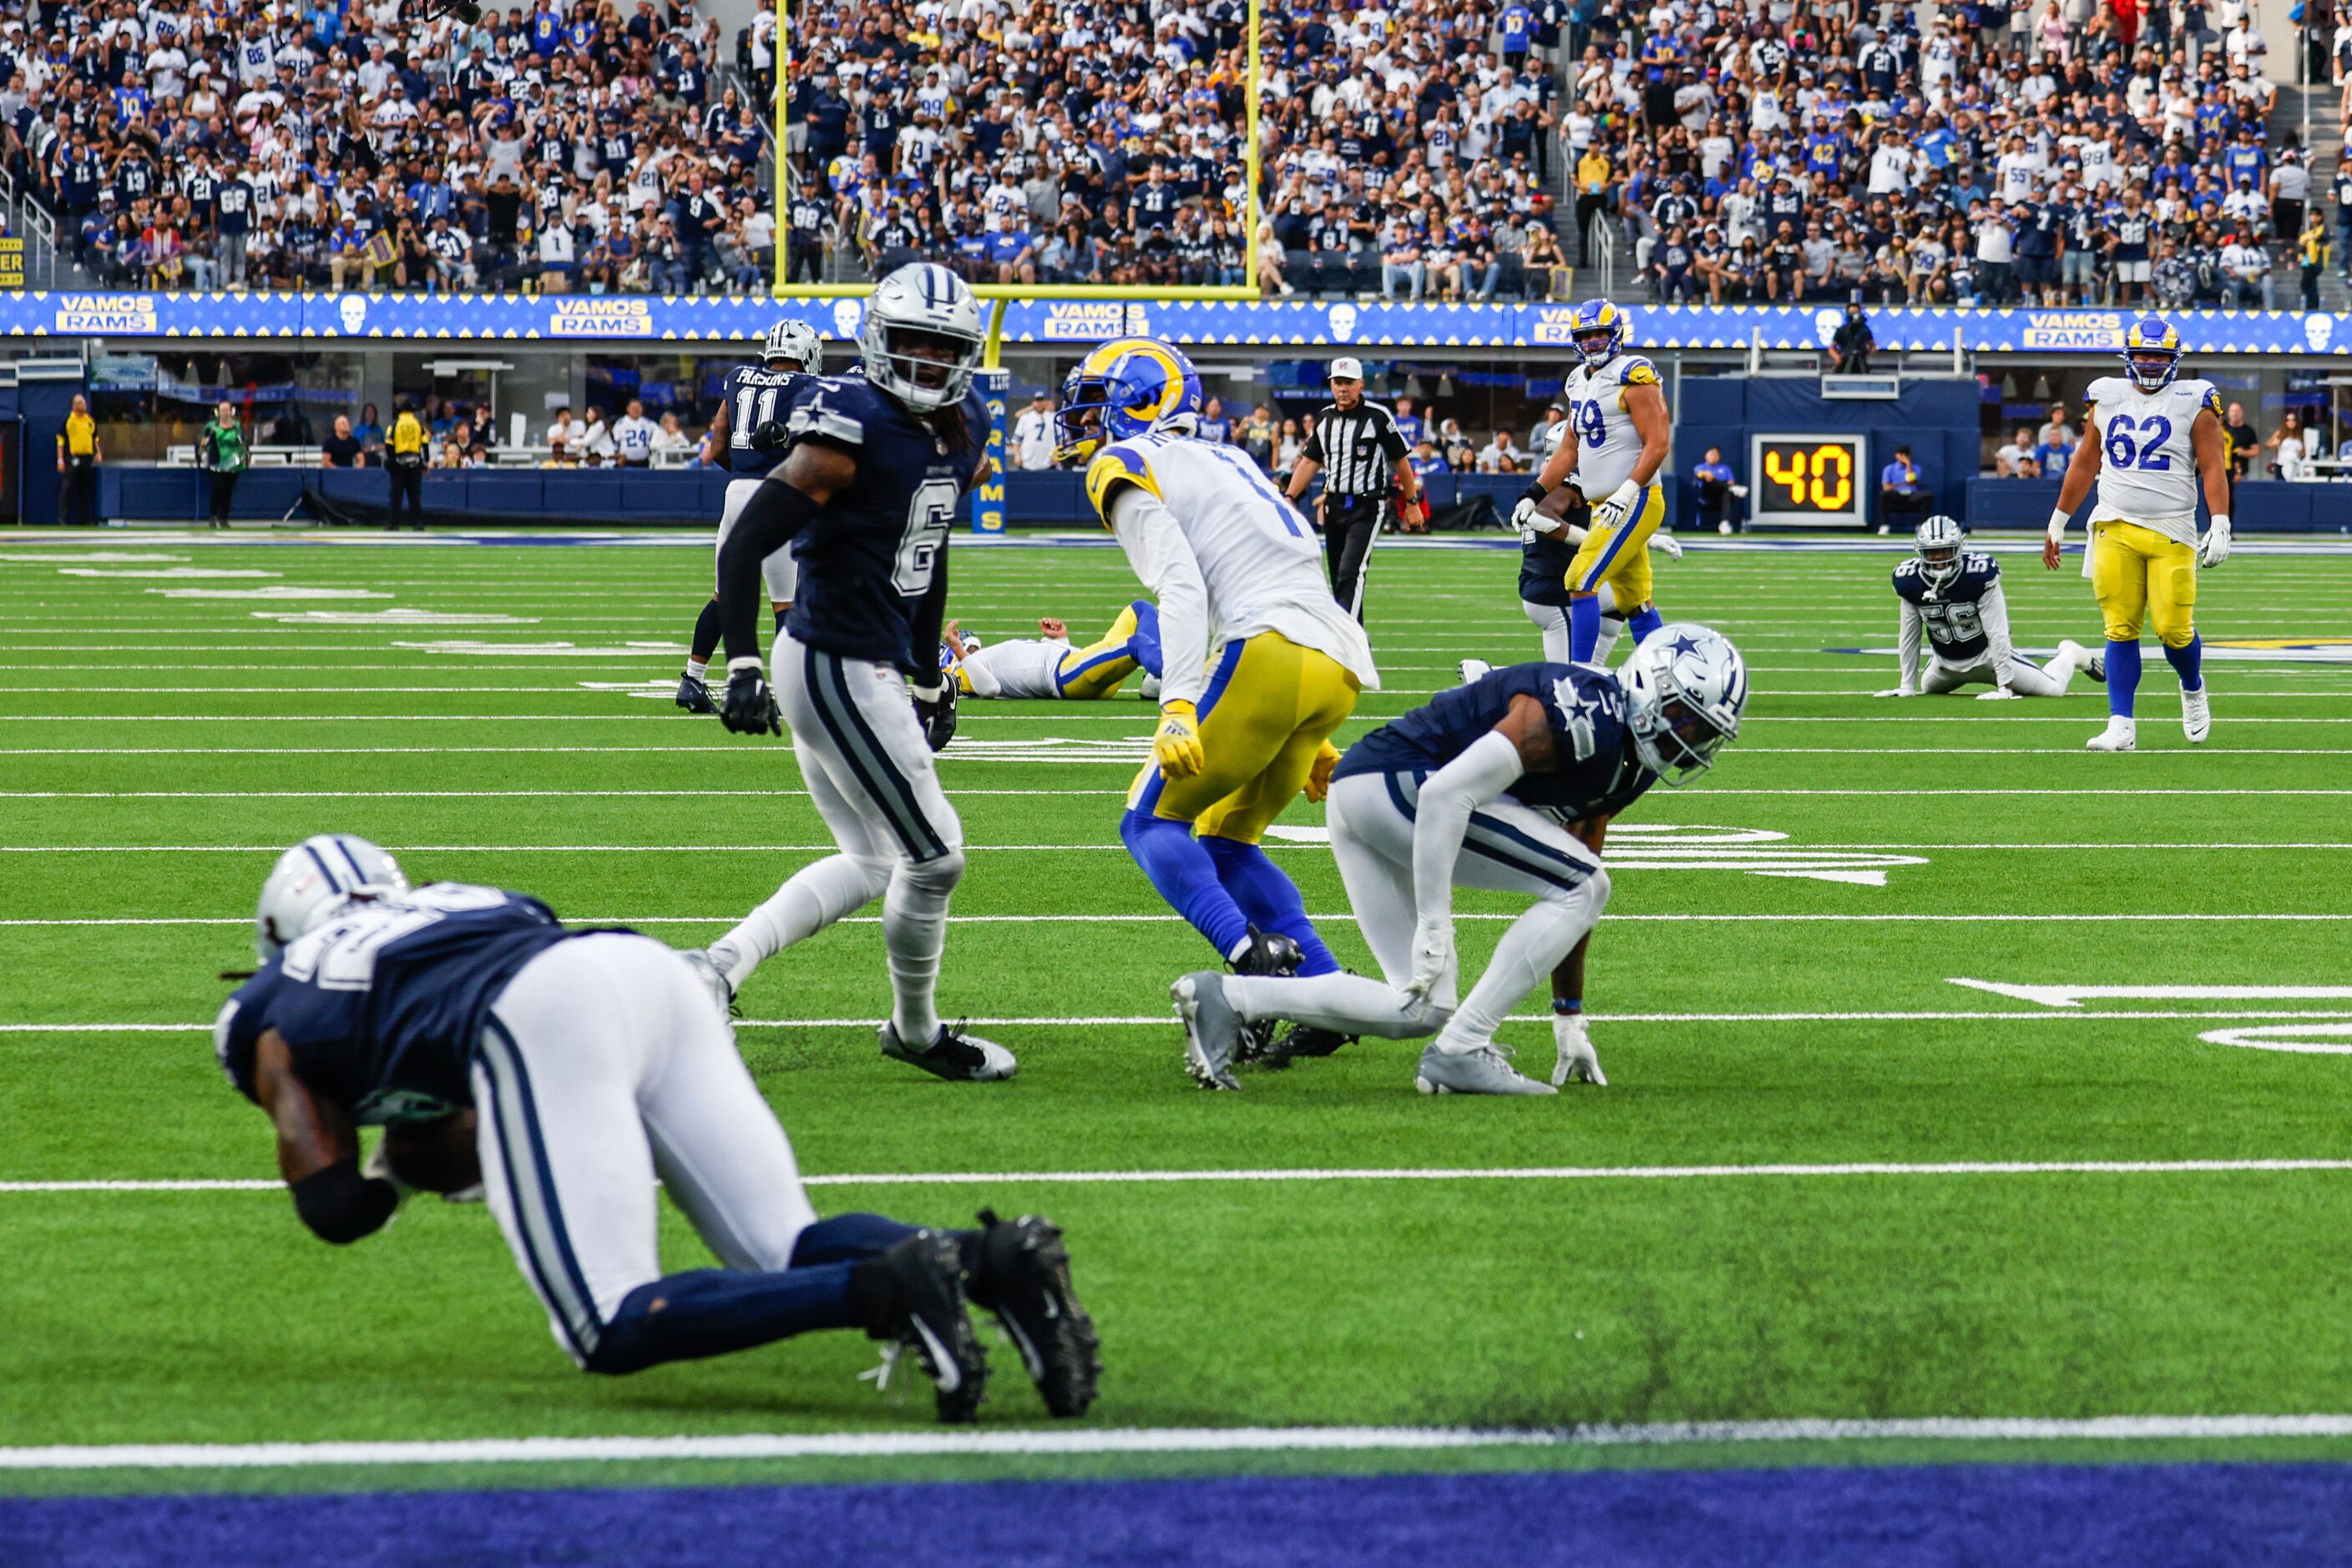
pixel 1971 1098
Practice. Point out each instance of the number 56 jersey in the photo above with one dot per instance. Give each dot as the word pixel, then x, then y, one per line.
pixel 2147 467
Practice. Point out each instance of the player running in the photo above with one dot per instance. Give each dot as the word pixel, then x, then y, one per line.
pixel 1618 433
pixel 1510 782
pixel 877 467
pixel 559 1074
pixel 1048 666
pixel 2153 441
pixel 1246 725
pixel 755 407
pixel 1954 597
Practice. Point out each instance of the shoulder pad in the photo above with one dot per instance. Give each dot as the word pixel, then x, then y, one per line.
pixel 1906 578
pixel 833 411
pixel 1122 463
pixel 2103 389
pixel 2207 396
pixel 1980 562
pixel 1638 371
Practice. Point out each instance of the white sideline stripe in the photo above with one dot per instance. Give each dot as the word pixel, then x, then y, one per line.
pixel 1632 852
pixel 764 752
pixel 1169 1019
pixel 576 690
pixel 1139 717
pixel 1713 792
pixel 1392 1174
pixel 1337 917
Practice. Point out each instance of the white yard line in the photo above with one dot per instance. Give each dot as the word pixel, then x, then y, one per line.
pixel 1340 917
pixel 768 752
pixel 1714 791
pixel 1631 852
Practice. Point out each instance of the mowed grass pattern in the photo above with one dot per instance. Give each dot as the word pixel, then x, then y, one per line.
pixel 159 749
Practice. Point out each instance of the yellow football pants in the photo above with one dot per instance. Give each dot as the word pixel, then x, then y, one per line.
pixel 2140 575
pixel 1620 556
pixel 1269 706
pixel 1096 670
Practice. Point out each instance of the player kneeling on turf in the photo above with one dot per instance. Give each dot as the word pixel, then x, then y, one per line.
pixel 562 1072
pixel 1509 782
pixel 1954 597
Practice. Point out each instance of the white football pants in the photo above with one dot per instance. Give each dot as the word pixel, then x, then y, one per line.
pixel 2026 678
pixel 782 572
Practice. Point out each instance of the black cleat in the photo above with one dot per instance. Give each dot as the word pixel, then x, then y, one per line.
pixel 693 696
pixel 1019 1270
pixel 952 1055
pixel 912 1299
pixel 1269 953
pixel 1303 1040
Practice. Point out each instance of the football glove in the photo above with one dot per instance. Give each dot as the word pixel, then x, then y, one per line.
pixel 1318 771
pixel 751 703
pixel 1176 745
pixel 1523 516
pixel 935 709
pixel 769 435
pixel 2217 542
pixel 1665 545
pixel 1576 1061
pixel 1998 694
pixel 1897 692
pixel 1618 506
pixel 1433 954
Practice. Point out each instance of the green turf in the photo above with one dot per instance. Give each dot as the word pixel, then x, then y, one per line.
pixel 172 745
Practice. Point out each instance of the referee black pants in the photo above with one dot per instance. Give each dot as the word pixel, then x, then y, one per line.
pixel 1348 522
pixel 407 495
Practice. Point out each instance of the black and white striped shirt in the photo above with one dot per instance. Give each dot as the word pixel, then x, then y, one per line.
pixel 1357 448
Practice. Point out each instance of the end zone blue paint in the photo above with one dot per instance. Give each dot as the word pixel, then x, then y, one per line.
pixel 2138 1515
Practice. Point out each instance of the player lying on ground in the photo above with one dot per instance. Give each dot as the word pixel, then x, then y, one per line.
pixel 1954 597
pixel 1239 739
pixel 865 495
pixel 560 1073
pixel 2155 443
pixel 755 407
pixel 1510 782
pixel 1048 666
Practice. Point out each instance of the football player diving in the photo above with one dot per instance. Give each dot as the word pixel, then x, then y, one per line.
pixel 1952 598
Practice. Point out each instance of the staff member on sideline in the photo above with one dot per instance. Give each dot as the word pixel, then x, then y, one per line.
pixel 408 449
pixel 1718 487
pixel 220 452
pixel 78 459
pixel 1361 454
pixel 1901 501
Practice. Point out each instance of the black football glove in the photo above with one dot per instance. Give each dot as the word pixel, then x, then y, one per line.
pixel 935 711
pixel 751 703
pixel 769 435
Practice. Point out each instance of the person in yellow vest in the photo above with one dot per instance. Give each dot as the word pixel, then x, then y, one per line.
pixel 78 459
pixel 407 450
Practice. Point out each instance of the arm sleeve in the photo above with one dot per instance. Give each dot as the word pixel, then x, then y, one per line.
pixel 1489 767
pixel 930 614
pixel 1907 644
pixel 1993 611
pixel 978 676
pixel 1163 560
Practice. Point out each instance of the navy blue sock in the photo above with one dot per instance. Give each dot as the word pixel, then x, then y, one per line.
pixel 780 619
pixel 847 1238
pixel 1145 644
pixel 706 633
pixel 2123 676
pixel 1270 898
pixel 1583 627
pixel 1643 622
pixel 2188 663
pixel 711 1311
pixel 1185 876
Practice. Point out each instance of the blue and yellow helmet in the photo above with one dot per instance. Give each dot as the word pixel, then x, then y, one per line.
pixel 1597 328
pixel 2152 352
pixel 1122 389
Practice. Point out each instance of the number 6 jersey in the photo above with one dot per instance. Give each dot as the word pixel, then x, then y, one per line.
pixel 2147 467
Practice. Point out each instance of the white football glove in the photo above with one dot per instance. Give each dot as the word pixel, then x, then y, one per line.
pixel 1432 955
pixel 1998 694
pixel 1897 691
pixel 1577 1062
pixel 1524 519
pixel 2217 542
pixel 1664 544
pixel 1617 508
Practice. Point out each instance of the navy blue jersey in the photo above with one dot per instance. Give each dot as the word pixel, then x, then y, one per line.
pixel 869 555
pixel 753 394
pixel 1599 772
pixel 1955 624
pixel 1543 570
pixel 382 1006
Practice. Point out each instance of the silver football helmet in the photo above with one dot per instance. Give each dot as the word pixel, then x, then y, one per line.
pixel 796 343
pixel 923 337
pixel 1937 542
pixel 312 881
pixel 1685 688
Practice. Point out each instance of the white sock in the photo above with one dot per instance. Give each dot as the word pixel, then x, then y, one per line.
pixel 1347 1004
pixel 1530 950
pixel 915 925
pixel 1612 627
pixel 695 666
pixel 813 898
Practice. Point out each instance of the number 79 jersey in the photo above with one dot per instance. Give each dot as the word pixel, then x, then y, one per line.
pixel 871 552
pixel 2147 465
pixel 1607 445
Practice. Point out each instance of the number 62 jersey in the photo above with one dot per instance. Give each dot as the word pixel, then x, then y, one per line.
pixel 2147 465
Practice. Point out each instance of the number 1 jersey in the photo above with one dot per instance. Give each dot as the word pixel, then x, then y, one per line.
pixel 2147 467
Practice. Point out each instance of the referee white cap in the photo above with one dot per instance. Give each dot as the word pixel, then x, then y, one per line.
pixel 1347 370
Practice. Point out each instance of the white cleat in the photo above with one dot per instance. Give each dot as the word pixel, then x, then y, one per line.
pixel 1471 669
pixel 1576 1061
pixel 2120 735
pixel 2196 716
pixel 2094 664
pixel 1482 1071
pixel 1724 528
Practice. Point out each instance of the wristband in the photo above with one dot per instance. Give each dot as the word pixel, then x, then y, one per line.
pixel 750 661
pixel 2059 517
pixel 1565 1006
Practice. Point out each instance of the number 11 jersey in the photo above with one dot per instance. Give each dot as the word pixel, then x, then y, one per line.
pixel 2147 467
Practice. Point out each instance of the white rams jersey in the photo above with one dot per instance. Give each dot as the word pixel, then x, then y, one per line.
pixel 1258 558
pixel 1020 667
pixel 2147 465
pixel 1607 445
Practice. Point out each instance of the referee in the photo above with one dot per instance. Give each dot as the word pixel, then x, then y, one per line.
pixel 1364 459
